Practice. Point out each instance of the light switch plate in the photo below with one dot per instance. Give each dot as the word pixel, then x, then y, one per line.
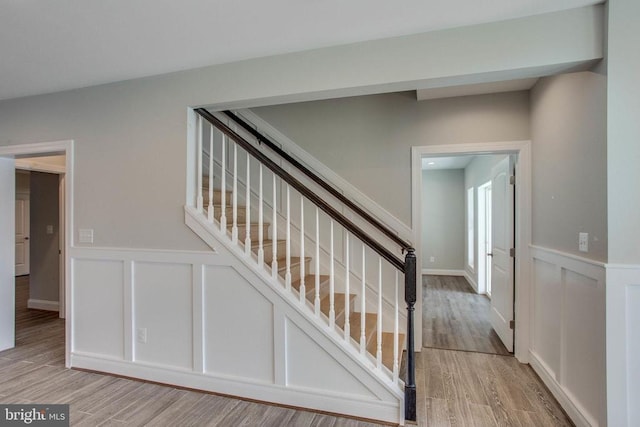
pixel 49 229
pixel 583 242
pixel 85 235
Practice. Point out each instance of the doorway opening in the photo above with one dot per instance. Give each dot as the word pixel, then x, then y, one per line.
pixel 484 239
pixel 499 233
pixel 40 229
pixel 34 283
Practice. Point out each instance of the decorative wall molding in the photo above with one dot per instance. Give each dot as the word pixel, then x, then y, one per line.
pixel 568 297
pixel 623 344
pixel 180 298
pixel 40 304
pixel 443 272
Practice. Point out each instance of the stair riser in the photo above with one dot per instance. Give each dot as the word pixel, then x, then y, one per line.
pixel 217 213
pixel 253 231
pixel 281 247
pixel 295 269
pixel 217 197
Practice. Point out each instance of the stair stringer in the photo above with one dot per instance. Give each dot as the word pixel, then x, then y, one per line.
pixel 383 400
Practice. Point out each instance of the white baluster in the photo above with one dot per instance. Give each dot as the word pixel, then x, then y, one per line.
pixel 379 331
pixel 234 202
pixel 396 335
pixel 316 301
pixel 199 200
pixel 302 289
pixel 223 186
pixel 210 209
pixel 347 308
pixel 287 274
pixel 260 220
pixel 332 309
pixel 247 209
pixel 363 305
pixel 274 233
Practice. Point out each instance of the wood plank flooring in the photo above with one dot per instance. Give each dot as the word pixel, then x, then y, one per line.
pixel 454 389
pixel 459 388
pixel 456 318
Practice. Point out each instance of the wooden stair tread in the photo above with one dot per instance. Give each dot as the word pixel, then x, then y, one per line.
pixel 370 325
pixel 387 348
pixel 310 286
pixel 266 242
pixel 339 303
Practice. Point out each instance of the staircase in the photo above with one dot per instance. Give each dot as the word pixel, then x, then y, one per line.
pixel 344 280
pixel 341 308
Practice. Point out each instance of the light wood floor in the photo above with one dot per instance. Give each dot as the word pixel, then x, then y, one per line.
pixel 456 318
pixel 454 389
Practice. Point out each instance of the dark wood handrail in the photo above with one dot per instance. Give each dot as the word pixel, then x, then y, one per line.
pixel 302 189
pixel 322 183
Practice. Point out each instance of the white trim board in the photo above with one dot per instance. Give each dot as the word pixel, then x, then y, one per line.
pixel 40 304
pixel 441 272
pixel 523 224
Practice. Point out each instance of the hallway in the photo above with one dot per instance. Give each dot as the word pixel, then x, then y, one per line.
pixel 456 318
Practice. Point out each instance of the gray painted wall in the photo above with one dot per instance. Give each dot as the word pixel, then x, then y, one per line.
pixel 22 182
pixel 568 128
pixel 45 262
pixel 121 129
pixel 367 140
pixel 443 219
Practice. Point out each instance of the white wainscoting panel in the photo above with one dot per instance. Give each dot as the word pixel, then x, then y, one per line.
pixel 98 318
pixel 310 366
pixel 633 352
pixel 623 345
pixel 162 305
pixel 568 346
pixel 213 324
pixel 238 327
pixel 546 311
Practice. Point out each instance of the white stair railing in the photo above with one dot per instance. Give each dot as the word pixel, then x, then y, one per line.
pixel 335 257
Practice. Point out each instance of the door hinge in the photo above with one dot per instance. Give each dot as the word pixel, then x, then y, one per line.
pixel 512 324
pixel 512 252
pixel 512 180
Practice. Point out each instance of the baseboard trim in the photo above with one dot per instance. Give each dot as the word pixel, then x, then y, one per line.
pixel 242 388
pixel 41 304
pixel 472 282
pixel 577 414
pixel 442 272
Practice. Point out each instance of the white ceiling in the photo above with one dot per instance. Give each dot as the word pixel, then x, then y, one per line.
pixel 53 45
pixel 439 163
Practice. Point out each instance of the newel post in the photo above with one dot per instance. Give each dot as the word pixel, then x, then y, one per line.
pixel 410 298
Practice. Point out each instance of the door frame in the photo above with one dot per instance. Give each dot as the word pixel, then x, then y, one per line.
pixel 66 147
pixel 522 218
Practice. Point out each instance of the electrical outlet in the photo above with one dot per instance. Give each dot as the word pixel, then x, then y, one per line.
pixel 432 259
pixel 142 335
pixel 583 242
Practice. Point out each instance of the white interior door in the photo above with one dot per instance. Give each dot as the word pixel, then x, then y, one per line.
pixel 502 242
pixel 7 247
pixel 22 234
